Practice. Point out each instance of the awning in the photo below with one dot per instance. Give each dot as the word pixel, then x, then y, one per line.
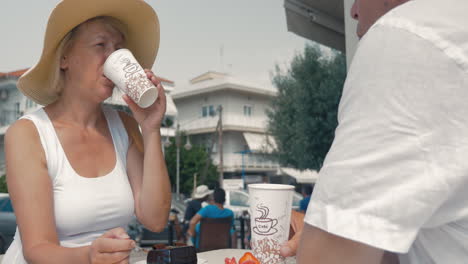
pixel 305 176
pixel 260 142
pixel 319 20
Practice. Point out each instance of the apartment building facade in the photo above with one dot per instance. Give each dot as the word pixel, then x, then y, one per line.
pixel 247 149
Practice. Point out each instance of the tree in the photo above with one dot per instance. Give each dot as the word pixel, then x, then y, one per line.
pixel 191 161
pixel 303 116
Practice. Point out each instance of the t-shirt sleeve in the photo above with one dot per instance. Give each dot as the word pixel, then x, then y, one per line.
pixel 398 159
pixel 205 211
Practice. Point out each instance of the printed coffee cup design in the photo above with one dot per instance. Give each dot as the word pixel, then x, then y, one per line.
pixel 125 72
pixel 129 67
pixel 263 224
pixel 270 209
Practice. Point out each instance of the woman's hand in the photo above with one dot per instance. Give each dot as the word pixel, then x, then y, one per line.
pixel 114 246
pixel 149 118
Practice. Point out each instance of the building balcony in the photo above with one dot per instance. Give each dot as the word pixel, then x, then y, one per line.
pixel 251 162
pixel 230 122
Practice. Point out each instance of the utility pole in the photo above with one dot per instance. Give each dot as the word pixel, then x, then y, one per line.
pixel 220 143
pixel 194 182
pixel 177 139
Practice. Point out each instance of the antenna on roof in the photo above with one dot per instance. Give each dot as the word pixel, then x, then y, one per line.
pixel 221 57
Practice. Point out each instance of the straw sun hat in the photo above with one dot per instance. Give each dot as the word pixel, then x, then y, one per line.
pixel 142 38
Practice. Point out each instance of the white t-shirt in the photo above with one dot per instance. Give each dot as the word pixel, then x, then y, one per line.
pixel 396 176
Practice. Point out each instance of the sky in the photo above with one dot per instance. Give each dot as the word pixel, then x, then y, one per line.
pixel 251 35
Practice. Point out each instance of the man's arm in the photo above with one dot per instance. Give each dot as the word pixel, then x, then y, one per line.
pixel 319 247
pixel 193 223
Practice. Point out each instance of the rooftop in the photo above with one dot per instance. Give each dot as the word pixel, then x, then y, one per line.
pixel 215 81
pixel 15 74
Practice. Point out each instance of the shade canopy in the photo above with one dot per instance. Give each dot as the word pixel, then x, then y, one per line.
pixel 260 143
pixel 319 20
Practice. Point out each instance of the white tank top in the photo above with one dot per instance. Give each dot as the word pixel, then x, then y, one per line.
pixel 84 208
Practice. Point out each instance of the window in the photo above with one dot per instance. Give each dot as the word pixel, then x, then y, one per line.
pixel 212 111
pixel 238 198
pixel 209 110
pixel 17 109
pixel 247 110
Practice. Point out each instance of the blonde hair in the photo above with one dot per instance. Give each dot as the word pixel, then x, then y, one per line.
pixel 57 75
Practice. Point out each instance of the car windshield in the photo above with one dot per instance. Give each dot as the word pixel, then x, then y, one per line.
pixel 5 205
pixel 238 198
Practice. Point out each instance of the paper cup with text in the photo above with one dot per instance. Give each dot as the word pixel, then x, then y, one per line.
pixel 126 73
pixel 270 216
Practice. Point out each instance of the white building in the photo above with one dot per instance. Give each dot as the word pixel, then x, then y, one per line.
pixel 246 147
pixel 10 107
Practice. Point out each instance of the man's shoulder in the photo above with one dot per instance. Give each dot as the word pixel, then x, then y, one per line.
pixel 428 15
pixel 441 24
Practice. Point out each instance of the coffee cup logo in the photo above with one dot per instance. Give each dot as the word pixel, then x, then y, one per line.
pixel 129 67
pixel 263 225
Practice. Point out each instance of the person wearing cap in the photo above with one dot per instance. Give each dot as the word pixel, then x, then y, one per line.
pixel 395 177
pixel 200 196
pixel 215 210
pixel 78 172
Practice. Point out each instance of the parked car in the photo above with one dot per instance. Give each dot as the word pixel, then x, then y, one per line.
pixel 7 222
pixel 146 237
pixel 238 201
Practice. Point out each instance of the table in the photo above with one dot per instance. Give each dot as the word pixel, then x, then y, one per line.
pixel 213 257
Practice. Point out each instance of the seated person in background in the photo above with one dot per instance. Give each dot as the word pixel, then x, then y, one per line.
pixel 201 195
pixel 215 210
pixel 307 193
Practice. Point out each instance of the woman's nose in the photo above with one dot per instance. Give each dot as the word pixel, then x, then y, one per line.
pixel 355 10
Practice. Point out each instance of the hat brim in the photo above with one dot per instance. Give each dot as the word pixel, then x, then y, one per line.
pixel 201 195
pixel 142 38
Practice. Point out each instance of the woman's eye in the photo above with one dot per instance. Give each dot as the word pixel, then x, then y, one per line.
pixel 100 44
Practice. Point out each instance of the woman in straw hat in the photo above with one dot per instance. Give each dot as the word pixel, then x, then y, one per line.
pixel 75 176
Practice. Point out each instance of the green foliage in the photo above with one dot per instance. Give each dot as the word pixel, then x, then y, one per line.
pixel 303 116
pixel 3 184
pixel 191 162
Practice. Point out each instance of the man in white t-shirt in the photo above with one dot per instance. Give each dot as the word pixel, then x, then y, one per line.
pixel 395 177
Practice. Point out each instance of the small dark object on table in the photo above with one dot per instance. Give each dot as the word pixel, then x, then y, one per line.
pixel 173 255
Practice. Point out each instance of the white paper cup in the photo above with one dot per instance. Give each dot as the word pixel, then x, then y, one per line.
pixel 270 216
pixel 126 73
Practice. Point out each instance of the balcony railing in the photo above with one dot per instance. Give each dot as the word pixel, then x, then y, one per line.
pixel 240 121
pixel 251 161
